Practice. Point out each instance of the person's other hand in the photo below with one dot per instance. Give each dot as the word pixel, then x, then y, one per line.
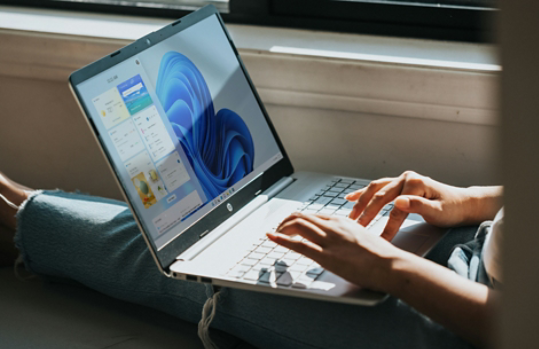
pixel 439 204
pixel 341 246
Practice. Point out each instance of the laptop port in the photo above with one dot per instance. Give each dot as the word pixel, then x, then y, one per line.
pixel 206 280
pixel 190 278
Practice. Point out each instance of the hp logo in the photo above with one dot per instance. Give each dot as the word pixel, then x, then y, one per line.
pixel 229 207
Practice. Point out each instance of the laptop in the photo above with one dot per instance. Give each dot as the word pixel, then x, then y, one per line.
pixel 203 170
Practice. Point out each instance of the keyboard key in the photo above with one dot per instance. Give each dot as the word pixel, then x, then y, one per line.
pixel 293 255
pixel 300 285
pixel 253 247
pixel 316 206
pixel 341 185
pixel 357 186
pixel 282 265
pixel 349 205
pixel 269 244
pixel 305 261
pixel 342 213
pixel 323 200
pixel 276 255
pixel 238 271
pixel 349 181
pixel 268 261
pixel 332 206
pixel 266 277
pixel 281 249
pixel 256 255
pixel 298 267
pixel 327 211
pixel 285 279
pixel 338 202
pixel 269 277
pixel 253 275
pixel 289 261
pixel 263 249
pixel 303 282
pixel 249 262
pixel 335 190
pixel 315 271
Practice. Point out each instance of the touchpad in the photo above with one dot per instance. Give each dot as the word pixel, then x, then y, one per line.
pixel 418 238
pixel 409 241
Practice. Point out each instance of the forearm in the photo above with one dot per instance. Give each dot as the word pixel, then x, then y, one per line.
pixel 483 203
pixel 463 306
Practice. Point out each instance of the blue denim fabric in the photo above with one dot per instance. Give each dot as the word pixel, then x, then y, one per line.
pixel 96 242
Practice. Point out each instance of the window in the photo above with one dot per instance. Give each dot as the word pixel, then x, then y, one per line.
pixel 456 20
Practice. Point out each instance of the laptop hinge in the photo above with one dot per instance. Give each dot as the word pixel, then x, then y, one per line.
pixel 278 187
pixel 230 223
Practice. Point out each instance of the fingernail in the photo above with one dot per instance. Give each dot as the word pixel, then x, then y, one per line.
pixel 403 203
pixel 362 217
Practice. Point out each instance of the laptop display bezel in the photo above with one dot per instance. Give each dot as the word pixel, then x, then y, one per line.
pixel 167 255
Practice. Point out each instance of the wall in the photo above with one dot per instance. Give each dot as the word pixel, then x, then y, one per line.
pixel 353 118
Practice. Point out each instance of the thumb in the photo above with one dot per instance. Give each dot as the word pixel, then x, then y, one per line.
pixel 416 204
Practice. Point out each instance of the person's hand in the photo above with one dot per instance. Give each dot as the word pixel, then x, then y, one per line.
pixel 341 246
pixel 439 204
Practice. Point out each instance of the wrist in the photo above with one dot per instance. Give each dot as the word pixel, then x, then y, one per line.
pixel 482 203
pixel 394 275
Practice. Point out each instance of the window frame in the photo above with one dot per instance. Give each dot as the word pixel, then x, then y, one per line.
pixel 396 19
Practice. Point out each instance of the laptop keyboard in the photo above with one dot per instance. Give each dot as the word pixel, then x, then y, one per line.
pixel 266 262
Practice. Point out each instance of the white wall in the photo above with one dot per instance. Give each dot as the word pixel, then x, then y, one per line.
pixel 341 116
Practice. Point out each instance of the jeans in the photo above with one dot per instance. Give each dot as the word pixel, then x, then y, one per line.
pixel 97 243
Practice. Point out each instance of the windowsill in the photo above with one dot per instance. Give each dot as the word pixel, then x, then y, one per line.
pixel 426 53
pixel 412 78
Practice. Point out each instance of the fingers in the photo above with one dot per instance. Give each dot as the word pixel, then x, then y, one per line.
pixel 353 196
pixel 428 208
pixel 366 195
pixel 307 249
pixel 379 200
pixel 412 187
pixel 309 226
pixel 296 215
pixel 396 218
pixel 373 200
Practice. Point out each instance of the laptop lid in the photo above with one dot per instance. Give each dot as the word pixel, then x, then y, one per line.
pixel 183 129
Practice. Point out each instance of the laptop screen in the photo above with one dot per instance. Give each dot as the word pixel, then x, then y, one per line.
pixel 181 126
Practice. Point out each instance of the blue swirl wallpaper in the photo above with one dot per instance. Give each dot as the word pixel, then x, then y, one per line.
pixel 219 145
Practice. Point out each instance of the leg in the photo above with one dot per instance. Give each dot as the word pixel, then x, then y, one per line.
pixel 15 194
pixel 96 242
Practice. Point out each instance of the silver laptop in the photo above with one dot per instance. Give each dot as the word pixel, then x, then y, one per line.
pixel 203 170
